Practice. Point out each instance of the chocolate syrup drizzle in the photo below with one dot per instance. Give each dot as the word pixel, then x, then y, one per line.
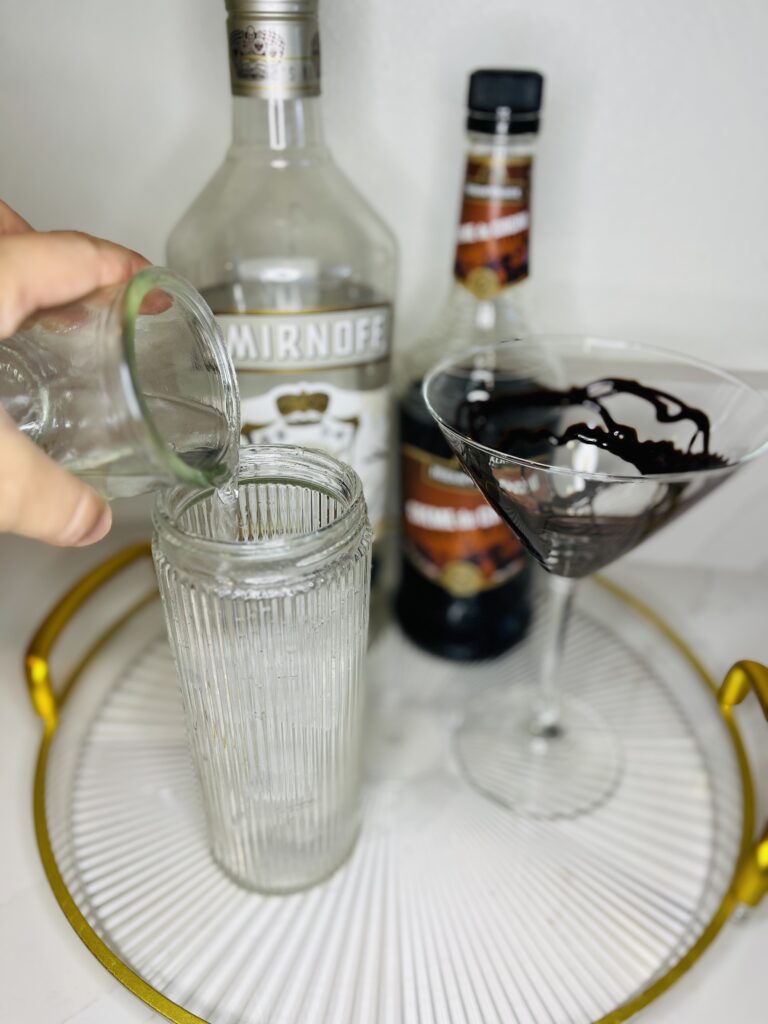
pixel 648 457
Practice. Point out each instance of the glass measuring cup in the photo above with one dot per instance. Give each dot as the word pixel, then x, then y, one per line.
pixel 129 388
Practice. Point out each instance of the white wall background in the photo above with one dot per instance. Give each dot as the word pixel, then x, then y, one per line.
pixel 651 193
pixel 651 201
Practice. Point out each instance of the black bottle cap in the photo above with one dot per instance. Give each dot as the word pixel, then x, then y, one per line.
pixel 504 102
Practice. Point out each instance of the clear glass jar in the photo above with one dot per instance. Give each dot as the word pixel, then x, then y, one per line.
pixel 269 637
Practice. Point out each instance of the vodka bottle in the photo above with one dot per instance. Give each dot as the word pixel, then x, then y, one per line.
pixel 296 265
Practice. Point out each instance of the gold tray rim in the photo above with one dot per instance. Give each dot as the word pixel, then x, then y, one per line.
pixel 47 706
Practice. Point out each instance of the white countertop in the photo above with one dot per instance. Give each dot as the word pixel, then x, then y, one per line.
pixel 48 977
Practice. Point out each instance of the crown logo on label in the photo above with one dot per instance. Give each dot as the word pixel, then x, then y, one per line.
pixel 303 402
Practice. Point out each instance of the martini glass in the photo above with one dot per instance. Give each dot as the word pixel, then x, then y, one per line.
pixel 582 477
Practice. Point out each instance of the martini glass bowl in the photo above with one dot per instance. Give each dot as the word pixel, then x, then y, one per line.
pixel 584 447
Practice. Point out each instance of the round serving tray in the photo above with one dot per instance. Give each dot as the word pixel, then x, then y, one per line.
pixel 450 909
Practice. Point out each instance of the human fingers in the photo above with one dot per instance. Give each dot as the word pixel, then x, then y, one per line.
pixel 39 270
pixel 39 499
pixel 12 223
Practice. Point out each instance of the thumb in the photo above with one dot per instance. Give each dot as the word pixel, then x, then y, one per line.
pixel 39 499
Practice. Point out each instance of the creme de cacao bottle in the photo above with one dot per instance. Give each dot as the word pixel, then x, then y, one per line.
pixel 465 581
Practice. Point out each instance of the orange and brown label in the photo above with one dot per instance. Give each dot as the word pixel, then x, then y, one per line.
pixel 450 533
pixel 492 245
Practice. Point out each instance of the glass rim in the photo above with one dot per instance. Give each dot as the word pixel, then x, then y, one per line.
pixel 129 303
pixel 446 364
pixel 290 464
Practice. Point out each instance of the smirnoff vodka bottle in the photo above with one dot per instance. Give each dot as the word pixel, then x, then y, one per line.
pixel 296 265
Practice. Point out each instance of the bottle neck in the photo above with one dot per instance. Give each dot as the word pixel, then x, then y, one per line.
pixel 274 64
pixel 492 244
pixel 278 124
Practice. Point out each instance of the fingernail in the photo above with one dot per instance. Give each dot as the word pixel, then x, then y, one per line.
pixel 101 529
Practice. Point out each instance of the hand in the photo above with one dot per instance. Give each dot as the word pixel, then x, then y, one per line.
pixel 38 270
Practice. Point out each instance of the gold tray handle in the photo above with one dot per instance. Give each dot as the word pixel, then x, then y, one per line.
pixel 37 670
pixel 743 678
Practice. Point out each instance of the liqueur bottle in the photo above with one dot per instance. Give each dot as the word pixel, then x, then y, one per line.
pixel 465 581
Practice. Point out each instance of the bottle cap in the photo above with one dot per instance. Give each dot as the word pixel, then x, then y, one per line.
pixel 503 102
pixel 270 8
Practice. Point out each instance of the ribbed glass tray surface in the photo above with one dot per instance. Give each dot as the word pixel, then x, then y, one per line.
pixel 451 909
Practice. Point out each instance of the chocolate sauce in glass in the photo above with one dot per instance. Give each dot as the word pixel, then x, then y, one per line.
pixel 480 419
pixel 575 530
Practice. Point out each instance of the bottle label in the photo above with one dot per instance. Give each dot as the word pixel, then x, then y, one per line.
pixel 450 533
pixel 492 244
pixel 272 57
pixel 351 425
pixel 285 342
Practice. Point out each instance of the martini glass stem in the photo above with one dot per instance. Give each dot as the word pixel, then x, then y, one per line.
pixel 548 722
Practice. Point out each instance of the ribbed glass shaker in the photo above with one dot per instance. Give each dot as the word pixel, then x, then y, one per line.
pixel 269 635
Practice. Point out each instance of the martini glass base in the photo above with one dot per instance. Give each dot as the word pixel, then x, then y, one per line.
pixel 542 777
